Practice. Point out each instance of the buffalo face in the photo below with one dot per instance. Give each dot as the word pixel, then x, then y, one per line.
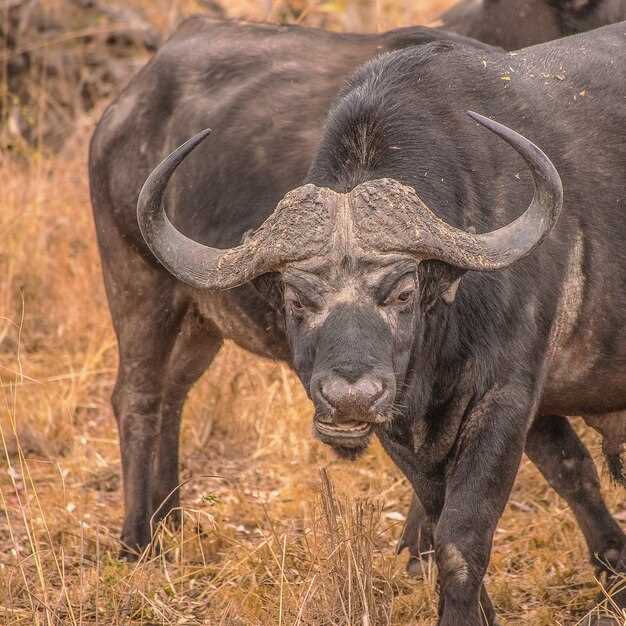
pixel 351 328
pixel 348 263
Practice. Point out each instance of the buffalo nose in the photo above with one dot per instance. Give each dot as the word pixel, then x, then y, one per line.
pixel 344 396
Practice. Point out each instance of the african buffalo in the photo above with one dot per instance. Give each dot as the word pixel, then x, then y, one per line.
pixel 268 108
pixel 458 350
pixel 243 79
pixel 513 24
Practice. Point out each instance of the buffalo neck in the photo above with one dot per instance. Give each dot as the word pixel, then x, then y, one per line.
pixel 458 350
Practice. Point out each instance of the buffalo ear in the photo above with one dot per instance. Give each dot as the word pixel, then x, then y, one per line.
pixel 269 287
pixel 439 281
pixel 449 283
pixel 449 294
pixel 454 280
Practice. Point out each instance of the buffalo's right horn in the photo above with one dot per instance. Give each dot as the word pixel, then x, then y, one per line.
pixel 298 228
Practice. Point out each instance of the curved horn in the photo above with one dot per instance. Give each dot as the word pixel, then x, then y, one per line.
pixel 502 247
pixel 188 260
pixel 411 227
pixel 296 229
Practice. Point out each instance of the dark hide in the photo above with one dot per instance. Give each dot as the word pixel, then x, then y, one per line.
pixel 514 24
pixel 542 338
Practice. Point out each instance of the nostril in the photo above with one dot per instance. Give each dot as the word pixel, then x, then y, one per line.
pixel 338 393
pixel 333 390
pixel 323 392
pixel 370 389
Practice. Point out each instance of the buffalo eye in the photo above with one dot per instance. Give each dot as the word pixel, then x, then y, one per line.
pixel 405 296
pixel 403 293
pixel 297 308
pixel 295 303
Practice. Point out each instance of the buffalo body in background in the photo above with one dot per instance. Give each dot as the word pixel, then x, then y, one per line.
pixel 513 24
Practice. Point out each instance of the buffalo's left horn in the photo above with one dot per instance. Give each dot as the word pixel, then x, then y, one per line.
pixel 297 228
pixel 502 247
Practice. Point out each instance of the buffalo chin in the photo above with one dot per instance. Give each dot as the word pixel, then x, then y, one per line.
pixel 349 453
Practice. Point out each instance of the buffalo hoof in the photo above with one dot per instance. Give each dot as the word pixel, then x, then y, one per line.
pixel 127 555
pixel 132 552
pixel 418 567
pixel 417 538
pixel 132 556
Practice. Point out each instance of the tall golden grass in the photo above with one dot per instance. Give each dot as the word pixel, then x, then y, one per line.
pixel 276 530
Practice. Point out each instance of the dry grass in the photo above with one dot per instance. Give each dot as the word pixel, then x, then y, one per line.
pixel 267 538
pixel 368 15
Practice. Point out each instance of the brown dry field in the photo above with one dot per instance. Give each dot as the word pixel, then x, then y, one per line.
pixel 277 530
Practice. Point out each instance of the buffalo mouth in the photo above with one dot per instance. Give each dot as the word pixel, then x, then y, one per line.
pixel 345 430
pixel 348 439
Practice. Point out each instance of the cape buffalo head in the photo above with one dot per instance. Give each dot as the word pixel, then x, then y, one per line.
pixel 348 266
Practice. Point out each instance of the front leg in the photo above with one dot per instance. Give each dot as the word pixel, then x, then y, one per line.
pixel 479 478
pixel 417 537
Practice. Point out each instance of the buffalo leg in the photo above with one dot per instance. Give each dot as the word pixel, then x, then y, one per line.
pixel 479 479
pixel 147 309
pixel 163 351
pixel 196 346
pixel 562 458
pixel 146 334
pixel 464 507
pixel 553 446
pixel 417 536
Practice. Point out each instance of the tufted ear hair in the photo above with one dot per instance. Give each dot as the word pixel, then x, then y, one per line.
pixel 451 285
pixel 438 282
pixel 448 279
pixel 449 294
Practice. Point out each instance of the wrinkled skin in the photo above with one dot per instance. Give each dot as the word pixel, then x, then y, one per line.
pixel 351 338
